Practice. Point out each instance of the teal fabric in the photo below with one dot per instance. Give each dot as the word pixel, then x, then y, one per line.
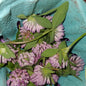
pixel 3 77
pixel 10 9
pixel 75 25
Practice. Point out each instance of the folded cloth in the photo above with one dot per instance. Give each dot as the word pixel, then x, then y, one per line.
pixel 75 25
pixel 9 10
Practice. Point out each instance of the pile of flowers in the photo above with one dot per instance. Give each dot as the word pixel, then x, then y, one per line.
pixel 40 56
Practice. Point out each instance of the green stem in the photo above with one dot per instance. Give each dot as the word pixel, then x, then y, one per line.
pixel 11 42
pixel 48 12
pixel 67 49
pixel 43 61
pixel 52 81
pixel 77 40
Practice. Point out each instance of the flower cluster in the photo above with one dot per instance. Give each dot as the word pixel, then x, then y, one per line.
pixel 26 59
pixel 39 49
pixel 59 33
pixel 18 77
pixel 38 57
pixel 32 25
pixel 40 78
pixel 54 61
pixel 79 64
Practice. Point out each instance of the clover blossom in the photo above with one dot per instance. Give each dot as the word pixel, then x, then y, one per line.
pixel 32 25
pixel 42 76
pixel 25 34
pixel 18 77
pixel 56 45
pixel 59 33
pixel 49 18
pixel 78 62
pixel 54 61
pixel 39 49
pixel 25 59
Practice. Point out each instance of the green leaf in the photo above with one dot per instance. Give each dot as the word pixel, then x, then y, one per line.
pixel 28 68
pixel 43 21
pixel 60 15
pixel 1 65
pixel 5 51
pixel 17 35
pixel 71 63
pixel 60 57
pixel 62 45
pixel 2 50
pixel 47 72
pixel 7 74
pixel 48 65
pixel 37 34
pixel 67 71
pixel 60 72
pixel 65 53
pixel 22 16
pixel 30 45
pixel 73 72
pixel 11 66
pixel 49 52
pixel 30 72
pixel 52 35
pixel 49 12
pixel 17 65
pixel 47 38
pixel 52 80
pixel 31 84
pixel 77 77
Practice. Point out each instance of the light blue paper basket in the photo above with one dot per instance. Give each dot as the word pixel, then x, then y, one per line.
pixel 75 25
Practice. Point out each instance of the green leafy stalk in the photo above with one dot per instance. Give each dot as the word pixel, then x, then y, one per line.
pixel 76 41
pixel 49 12
pixel 58 18
pixel 12 42
pixel 43 21
pixel 30 45
pixel 77 77
pixel 52 35
pixel 62 51
pixel 22 16
pixel 65 51
pixel 52 81
pixel 43 61
pixel 60 15
pixel 49 52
